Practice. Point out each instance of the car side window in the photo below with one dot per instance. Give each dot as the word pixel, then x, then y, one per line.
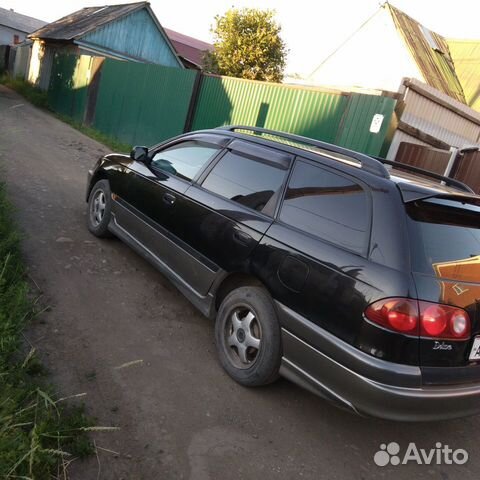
pixel 246 181
pixel 184 159
pixel 327 205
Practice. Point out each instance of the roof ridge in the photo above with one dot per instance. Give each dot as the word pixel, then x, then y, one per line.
pixel 74 17
pixel 112 5
pixel 170 30
pixel 9 10
pixel 20 21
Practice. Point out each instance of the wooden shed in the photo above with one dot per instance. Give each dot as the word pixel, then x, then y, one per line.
pixel 127 32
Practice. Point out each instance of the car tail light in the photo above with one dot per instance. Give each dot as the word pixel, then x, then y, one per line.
pixel 397 314
pixel 425 319
pixel 443 321
pixel 459 323
pixel 434 321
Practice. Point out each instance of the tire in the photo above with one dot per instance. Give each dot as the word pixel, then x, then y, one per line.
pixel 99 209
pixel 246 318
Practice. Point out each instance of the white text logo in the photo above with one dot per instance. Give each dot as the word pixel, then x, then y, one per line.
pixel 389 454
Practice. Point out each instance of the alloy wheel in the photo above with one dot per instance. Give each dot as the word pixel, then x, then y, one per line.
pixel 243 337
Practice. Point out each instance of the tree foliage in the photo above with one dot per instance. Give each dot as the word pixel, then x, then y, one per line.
pixel 247 45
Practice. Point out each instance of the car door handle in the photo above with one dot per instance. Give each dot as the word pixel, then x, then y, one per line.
pixel 242 237
pixel 169 199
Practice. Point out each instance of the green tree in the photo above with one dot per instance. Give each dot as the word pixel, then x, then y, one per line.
pixel 247 45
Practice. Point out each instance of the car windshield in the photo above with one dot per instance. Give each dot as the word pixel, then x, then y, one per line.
pixel 445 238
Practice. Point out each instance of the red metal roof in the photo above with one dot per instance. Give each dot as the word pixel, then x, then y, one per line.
pixel 187 47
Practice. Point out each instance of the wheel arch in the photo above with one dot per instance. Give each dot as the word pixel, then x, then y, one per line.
pixel 100 174
pixel 231 282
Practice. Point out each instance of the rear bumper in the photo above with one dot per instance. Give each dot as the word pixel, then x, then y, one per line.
pixel 365 385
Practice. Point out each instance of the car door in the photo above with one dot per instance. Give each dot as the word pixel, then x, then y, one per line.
pixel 153 203
pixel 232 205
pixel 313 257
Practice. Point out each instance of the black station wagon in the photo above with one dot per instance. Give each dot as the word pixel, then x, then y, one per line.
pixel 354 277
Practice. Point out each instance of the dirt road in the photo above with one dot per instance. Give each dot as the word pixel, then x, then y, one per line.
pixel 120 332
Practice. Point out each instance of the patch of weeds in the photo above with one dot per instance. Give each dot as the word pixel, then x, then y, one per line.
pixel 35 368
pixel 33 94
pixel 112 143
pixel 40 434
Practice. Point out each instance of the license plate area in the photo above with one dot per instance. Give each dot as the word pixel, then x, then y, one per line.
pixel 475 351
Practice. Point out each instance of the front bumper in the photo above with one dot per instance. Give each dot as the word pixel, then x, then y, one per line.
pixel 358 382
pixel 89 183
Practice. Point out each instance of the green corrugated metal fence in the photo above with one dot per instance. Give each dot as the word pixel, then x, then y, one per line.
pixel 354 132
pixel 308 112
pixel 141 103
pixel 341 118
pixel 145 104
pixel 67 92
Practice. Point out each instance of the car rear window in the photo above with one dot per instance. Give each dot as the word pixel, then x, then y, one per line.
pixel 327 205
pixel 444 235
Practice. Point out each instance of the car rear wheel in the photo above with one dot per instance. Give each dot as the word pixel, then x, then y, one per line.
pixel 247 335
pixel 99 209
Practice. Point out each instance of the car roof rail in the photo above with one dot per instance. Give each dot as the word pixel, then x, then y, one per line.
pixel 360 160
pixel 427 173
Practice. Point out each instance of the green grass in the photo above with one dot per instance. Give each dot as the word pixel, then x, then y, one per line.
pixel 115 145
pixel 32 94
pixel 39 433
pixel 40 99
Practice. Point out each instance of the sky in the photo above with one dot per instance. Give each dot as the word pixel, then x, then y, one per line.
pixel 311 29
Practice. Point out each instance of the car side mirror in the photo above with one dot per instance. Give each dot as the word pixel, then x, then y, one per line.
pixel 139 154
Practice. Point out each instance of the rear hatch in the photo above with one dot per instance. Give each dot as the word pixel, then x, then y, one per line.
pixel 444 235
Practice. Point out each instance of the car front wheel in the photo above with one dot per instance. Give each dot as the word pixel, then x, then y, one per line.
pixel 99 209
pixel 247 335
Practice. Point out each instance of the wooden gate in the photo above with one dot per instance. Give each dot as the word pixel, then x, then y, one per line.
pixel 466 167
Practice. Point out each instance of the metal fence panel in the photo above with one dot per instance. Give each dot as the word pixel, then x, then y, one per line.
pixel 355 132
pixel 303 111
pixel 67 92
pixel 336 117
pixel 142 103
pixel 22 61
